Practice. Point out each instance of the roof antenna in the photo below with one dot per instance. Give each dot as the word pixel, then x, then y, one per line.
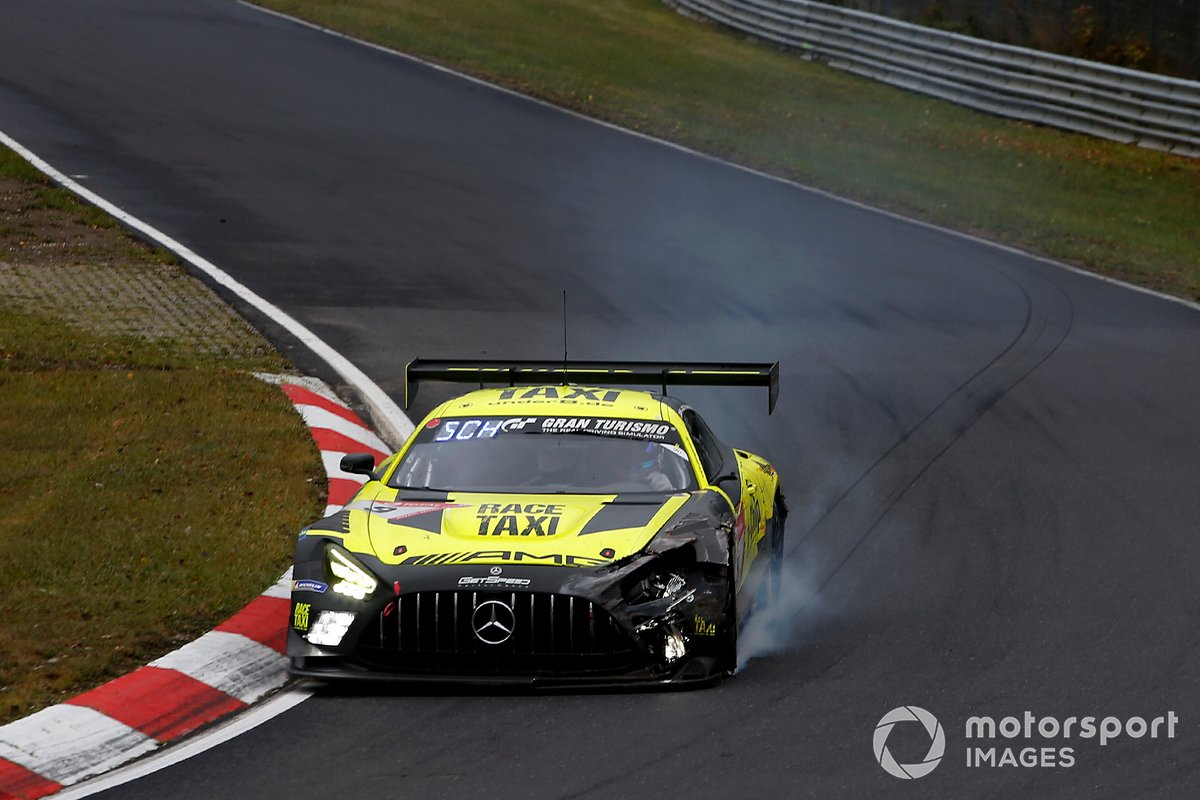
pixel 564 375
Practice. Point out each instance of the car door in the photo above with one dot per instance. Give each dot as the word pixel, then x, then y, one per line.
pixel 720 461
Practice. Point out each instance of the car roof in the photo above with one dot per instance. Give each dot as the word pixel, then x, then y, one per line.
pixel 557 400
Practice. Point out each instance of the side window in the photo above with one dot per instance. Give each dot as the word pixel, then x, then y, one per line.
pixel 707 446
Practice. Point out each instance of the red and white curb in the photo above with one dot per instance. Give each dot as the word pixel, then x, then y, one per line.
pixel 336 429
pixel 222 672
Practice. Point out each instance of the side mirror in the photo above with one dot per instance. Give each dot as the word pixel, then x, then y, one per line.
pixel 726 477
pixel 359 464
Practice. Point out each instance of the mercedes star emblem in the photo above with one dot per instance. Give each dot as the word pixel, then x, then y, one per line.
pixel 493 622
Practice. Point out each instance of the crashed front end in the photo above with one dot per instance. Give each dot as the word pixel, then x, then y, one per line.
pixel 506 616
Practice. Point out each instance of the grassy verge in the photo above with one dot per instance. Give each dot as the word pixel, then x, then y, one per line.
pixel 149 485
pixel 1120 210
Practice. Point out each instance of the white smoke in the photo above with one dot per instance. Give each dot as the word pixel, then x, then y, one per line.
pixel 783 625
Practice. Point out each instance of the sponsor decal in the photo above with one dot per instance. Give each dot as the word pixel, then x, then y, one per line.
pixel 603 426
pixel 519 519
pixel 462 430
pixel 300 615
pixel 575 394
pixel 702 627
pixel 309 586
pixel 515 556
pixel 393 512
pixel 473 429
pixel 492 581
pixel 676 450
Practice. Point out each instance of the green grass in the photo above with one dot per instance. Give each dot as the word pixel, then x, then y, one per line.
pixel 1120 210
pixel 137 510
pixel 149 486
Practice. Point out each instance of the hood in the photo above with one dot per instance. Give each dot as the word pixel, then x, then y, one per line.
pixel 478 528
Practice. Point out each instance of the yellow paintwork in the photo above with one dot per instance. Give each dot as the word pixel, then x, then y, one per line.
pixel 556 401
pixel 460 540
pixel 479 528
pixel 757 506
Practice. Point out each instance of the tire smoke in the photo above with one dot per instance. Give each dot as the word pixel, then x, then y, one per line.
pixel 784 624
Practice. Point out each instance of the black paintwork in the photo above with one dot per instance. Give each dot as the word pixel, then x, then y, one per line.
pixel 694 544
pixel 592 373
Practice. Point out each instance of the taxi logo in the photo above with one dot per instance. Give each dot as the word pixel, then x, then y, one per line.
pixel 566 393
pixel 300 616
pixel 519 519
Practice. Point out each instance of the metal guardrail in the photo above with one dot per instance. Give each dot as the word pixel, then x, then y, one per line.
pixel 1124 105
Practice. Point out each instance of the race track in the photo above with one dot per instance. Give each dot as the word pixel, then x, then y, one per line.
pixel 993 463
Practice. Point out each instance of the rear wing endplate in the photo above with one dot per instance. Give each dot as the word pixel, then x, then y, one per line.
pixel 622 373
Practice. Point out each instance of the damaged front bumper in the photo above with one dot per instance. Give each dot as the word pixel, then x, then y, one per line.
pixel 657 618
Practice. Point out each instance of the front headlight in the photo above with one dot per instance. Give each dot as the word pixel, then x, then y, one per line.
pixel 349 577
pixel 330 628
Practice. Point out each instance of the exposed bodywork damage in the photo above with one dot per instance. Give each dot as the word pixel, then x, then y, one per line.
pixel 671 600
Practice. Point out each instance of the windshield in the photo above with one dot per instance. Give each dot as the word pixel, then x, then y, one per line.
pixel 570 455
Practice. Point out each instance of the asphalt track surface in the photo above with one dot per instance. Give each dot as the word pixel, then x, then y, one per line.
pixel 993 462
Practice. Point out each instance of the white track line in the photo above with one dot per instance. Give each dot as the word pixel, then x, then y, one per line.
pixel 384 410
pixel 386 415
pixel 714 159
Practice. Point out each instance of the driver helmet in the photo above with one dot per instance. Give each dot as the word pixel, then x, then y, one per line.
pixel 653 458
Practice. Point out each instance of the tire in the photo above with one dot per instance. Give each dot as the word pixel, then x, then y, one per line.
pixel 767 600
pixel 728 646
pixel 768 594
pixel 775 573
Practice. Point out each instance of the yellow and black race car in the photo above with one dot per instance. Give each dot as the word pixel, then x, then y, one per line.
pixel 545 533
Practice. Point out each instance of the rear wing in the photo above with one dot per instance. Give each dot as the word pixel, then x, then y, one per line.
pixel 622 373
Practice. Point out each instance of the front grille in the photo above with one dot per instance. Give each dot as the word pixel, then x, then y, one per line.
pixel 551 634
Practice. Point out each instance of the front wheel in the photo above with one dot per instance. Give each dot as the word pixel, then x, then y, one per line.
pixel 775 572
pixel 729 651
